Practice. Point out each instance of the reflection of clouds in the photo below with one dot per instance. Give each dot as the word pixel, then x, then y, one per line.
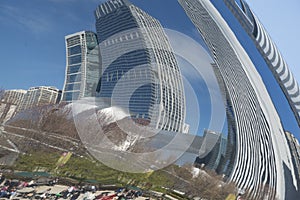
pixel 187 48
pixel 192 107
pixel 35 21
pixel 194 53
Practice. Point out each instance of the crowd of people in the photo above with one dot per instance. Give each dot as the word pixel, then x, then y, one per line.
pixel 52 189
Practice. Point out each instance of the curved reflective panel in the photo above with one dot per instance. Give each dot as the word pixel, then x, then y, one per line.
pixel 261 99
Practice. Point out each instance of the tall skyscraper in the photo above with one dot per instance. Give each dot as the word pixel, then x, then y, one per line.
pixel 269 52
pixel 260 95
pixel 227 161
pixel 82 69
pixel 39 96
pixel 139 69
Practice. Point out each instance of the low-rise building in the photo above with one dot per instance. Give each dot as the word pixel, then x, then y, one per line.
pixel 38 96
pixel 14 97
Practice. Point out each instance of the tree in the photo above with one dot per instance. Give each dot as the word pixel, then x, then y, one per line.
pixel 56 119
pixel 264 192
pixel 207 185
pixel 48 118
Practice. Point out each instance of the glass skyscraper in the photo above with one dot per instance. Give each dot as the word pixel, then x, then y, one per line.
pixel 82 69
pixel 139 70
pixel 260 94
pixel 270 53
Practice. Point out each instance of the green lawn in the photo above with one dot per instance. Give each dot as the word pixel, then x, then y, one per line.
pixel 84 169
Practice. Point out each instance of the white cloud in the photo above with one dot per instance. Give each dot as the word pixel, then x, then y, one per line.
pixel 196 55
pixel 34 21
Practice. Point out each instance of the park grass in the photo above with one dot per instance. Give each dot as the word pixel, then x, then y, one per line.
pixel 36 161
pixel 85 169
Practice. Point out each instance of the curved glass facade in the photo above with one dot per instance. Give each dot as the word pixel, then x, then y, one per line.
pixel 261 97
pixel 82 71
pixel 139 70
pixel 238 20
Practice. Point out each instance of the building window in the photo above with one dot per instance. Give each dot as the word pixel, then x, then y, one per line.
pixel 74 59
pixel 74 78
pixel 74 69
pixel 74 50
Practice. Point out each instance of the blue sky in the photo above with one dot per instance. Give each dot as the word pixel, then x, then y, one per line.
pixel 32 34
pixel 281 19
pixel 32 43
pixel 33 46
